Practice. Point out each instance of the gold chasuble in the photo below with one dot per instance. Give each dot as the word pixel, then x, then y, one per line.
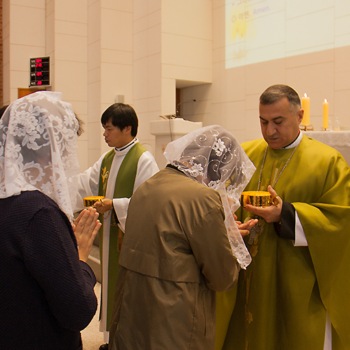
pixel 286 292
pixel 124 186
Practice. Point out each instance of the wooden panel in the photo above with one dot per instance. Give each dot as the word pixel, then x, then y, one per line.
pixel 26 91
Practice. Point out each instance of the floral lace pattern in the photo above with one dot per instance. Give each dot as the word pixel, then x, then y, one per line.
pixel 38 144
pixel 219 147
pixel 213 157
pixel 196 169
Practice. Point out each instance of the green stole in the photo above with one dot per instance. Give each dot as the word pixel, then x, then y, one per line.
pixel 124 187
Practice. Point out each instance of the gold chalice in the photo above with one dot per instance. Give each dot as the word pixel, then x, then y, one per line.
pixel 258 199
pixel 90 201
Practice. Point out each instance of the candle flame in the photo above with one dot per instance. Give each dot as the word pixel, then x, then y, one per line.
pixel 325 100
pixel 305 95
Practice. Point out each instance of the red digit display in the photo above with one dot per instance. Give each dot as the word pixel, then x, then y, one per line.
pixel 40 71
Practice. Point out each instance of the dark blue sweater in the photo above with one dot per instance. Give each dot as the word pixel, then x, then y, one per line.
pixel 46 292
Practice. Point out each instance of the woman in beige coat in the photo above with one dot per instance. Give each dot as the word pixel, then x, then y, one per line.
pixel 178 248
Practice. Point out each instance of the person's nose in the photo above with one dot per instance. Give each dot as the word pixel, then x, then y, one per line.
pixel 270 129
pixel 104 133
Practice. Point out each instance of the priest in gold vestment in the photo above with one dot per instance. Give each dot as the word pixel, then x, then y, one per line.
pixel 294 294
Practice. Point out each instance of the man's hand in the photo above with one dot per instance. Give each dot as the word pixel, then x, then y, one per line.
pixel 271 213
pixel 85 229
pixel 103 205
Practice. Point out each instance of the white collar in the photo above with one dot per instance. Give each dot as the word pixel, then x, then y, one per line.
pixel 295 142
pixel 126 147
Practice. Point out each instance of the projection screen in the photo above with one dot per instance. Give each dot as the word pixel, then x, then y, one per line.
pixel 262 30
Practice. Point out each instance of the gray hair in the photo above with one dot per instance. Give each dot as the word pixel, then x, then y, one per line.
pixel 275 93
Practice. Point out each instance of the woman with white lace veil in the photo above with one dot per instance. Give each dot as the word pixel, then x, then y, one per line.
pixel 182 244
pixel 214 158
pixel 47 287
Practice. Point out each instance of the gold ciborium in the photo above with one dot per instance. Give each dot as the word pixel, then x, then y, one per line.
pixel 258 199
pixel 90 201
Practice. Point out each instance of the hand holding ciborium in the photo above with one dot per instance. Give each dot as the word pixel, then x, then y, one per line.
pixel 90 201
pixel 259 199
pixel 263 204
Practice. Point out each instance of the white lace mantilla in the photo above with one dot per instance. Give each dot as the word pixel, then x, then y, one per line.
pixel 38 148
pixel 213 157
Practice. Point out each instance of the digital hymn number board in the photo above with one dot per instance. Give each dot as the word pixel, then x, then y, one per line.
pixel 40 71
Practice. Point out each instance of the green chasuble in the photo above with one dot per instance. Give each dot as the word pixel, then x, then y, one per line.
pixel 124 187
pixel 225 303
pixel 285 293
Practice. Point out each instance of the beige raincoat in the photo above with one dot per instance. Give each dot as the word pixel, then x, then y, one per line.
pixel 174 256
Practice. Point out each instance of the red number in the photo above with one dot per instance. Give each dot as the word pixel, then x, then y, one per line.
pixel 38 60
pixel 39 82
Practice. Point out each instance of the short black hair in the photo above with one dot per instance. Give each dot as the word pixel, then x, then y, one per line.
pixel 121 115
pixel 2 110
pixel 80 123
pixel 275 93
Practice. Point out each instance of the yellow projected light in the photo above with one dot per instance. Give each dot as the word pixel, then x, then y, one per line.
pixel 239 29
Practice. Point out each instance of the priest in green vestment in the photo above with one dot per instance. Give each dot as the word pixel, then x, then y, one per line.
pixel 116 176
pixel 294 294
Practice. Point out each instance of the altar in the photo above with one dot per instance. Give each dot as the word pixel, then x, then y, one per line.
pixel 167 130
pixel 340 140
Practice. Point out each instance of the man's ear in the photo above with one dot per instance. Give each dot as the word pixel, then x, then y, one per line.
pixel 127 129
pixel 300 115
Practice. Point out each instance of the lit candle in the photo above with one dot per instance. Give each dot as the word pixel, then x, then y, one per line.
pixel 305 105
pixel 325 114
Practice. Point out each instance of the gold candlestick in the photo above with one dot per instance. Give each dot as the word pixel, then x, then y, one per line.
pixel 306 127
